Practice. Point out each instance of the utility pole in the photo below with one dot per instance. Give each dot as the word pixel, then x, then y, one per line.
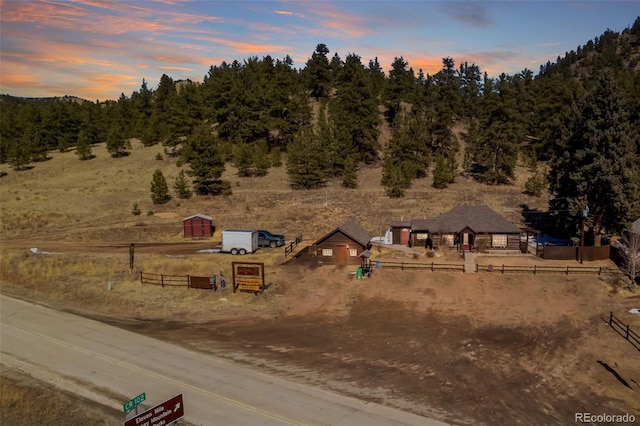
pixel 585 212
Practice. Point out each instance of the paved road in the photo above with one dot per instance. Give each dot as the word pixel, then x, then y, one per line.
pixel 105 362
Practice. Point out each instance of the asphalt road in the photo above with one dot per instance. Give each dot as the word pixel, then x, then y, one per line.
pixel 103 363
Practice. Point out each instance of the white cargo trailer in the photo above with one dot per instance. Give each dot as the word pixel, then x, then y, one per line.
pixel 239 241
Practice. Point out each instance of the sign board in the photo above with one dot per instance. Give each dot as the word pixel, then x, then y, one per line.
pixel 160 415
pixel 248 276
pixel 130 405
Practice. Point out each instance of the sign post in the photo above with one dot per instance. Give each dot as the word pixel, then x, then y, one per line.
pixel 133 403
pixel 160 415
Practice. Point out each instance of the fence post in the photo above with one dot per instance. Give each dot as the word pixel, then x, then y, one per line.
pixel 534 269
pixel 162 280
pixel 188 281
pixel 627 336
pixel 141 273
pixel 599 270
pixel 610 318
pixel 567 269
pixel 503 268
pixel 402 265
pixel 431 266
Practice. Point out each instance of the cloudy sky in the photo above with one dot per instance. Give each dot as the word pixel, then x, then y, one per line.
pixel 98 49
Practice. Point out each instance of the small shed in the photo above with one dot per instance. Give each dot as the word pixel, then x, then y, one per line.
pixel 198 226
pixel 343 245
pixel 419 232
pixel 400 232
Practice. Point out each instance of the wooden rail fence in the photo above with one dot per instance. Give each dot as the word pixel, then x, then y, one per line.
pixel 289 249
pixel 418 266
pixel 538 269
pixel 188 281
pixel 624 330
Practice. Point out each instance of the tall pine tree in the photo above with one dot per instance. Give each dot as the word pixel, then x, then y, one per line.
pixel 597 164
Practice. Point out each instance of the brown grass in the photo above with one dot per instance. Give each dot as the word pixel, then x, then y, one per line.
pixel 68 199
pixel 25 401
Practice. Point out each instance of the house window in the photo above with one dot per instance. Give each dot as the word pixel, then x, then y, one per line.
pixel 499 240
pixel 353 252
pixel 447 240
pixel 327 252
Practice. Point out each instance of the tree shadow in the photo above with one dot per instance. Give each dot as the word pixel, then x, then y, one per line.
pixel 120 154
pixel 534 218
pixel 615 374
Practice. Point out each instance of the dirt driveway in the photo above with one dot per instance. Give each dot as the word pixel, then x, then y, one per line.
pixel 468 349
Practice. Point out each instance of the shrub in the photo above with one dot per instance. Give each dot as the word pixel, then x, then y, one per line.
pixel 136 210
pixel 535 185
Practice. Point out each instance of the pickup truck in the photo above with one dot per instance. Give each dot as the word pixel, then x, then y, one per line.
pixel 267 239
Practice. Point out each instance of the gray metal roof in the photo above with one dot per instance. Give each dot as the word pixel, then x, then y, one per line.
pixel 203 216
pixel 477 218
pixel 635 226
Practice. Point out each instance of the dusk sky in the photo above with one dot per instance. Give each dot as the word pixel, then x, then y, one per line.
pixel 98 49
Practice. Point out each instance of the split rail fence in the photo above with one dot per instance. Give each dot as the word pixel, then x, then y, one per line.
pixel 537 269
pixel 289 249
pixel 421 266
pixel 624 330
pixel 188 281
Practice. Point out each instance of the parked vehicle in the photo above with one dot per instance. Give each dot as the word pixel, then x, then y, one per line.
pixel 238 241
pixel 267 239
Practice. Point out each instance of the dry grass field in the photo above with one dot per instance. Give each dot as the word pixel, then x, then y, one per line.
pixel 481 348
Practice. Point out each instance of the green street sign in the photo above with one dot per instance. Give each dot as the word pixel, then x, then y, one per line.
pixel 130 405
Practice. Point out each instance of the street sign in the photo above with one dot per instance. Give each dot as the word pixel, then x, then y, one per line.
pixel 160 415
pixel 130 405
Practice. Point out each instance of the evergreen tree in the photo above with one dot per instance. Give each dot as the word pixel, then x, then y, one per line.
pixel 396 178
pixel 306 160
pixel 597 164
pixel 243 159
pixel 400 87
pixel 117 145
pixel 159 188
pixel 444 171
pixel 19 152
pixel 318 73
pixel 83 146
pixel 535 185
pixel 206 159
pixel 181 186
pixel 355 110
pixel 350 173
pixel 495 135
pixel 409 145
pixel 261 159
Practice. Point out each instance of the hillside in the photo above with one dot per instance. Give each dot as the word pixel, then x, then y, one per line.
pixel 66 199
